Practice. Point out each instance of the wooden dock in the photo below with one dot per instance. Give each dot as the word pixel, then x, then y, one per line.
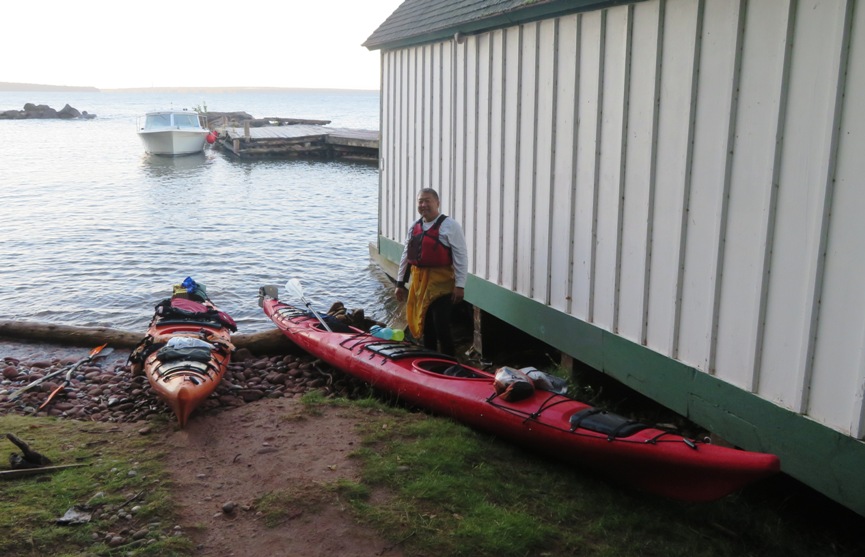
pixel 299 140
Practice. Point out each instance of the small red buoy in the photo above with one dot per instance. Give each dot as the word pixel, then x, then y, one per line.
pixel 211 138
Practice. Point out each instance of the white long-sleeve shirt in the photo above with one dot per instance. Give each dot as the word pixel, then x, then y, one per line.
pixel 451 235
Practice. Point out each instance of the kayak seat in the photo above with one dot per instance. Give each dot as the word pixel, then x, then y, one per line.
pixel 184 368
pixel 451 369
pixel 601 421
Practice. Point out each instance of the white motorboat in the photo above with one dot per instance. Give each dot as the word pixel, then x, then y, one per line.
pixel 172 132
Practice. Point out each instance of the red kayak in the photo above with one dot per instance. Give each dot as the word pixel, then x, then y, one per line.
pixel 648 458
pixel 187 349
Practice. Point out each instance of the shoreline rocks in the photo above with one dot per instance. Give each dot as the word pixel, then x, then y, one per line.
pixel 109 392
pixel 264 364
pixel 43 111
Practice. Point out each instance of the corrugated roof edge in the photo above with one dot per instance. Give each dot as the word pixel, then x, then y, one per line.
pixel 389 35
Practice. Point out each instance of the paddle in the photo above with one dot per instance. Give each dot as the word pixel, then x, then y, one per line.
pixel 296 289
pixel 99 350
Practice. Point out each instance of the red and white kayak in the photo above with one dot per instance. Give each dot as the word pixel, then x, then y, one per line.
pixel 648 458
pixel 186 351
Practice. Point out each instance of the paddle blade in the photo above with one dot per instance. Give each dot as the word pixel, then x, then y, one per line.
pixel 294 288
pixel 104 352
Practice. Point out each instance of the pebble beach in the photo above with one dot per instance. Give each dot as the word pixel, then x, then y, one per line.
pixel 106 390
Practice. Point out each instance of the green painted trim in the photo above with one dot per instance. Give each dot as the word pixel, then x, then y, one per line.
pixel 828 461
pixel 542 322
pixel 815 454
pixel 658 377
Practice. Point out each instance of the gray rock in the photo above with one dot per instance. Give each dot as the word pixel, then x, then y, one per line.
pixel 68 112
pixel 42 111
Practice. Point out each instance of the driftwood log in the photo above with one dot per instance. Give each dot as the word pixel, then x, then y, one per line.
pixel 22 472
pixel 30 458
pixel 272 341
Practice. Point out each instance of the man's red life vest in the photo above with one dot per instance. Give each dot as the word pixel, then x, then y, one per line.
pixel 425 249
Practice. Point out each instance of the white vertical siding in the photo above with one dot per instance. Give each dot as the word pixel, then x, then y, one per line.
pixel 563 162
pixel 460 123
pixel 496 186
pixel 510 113
pixel 837 384
pixel 751 197
pixel 545 127
pixel 446 141
pixel 615 60
pixel 466 197
pixel 436 115
pixel 684 173
pixel 386 183
pixel 526 139
pixel 481 182
pixel 720 42
pixel 805 160
pixel 672 180
pixel 426 124
pixel 409 119
pixel 394 197
pixel 420 122
pixel 639 184
pixel 588 108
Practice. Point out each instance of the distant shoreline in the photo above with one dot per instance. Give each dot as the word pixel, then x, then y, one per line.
pixel 28 87
pixel 37 88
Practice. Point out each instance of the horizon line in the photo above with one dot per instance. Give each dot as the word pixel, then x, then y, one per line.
pixel 13 86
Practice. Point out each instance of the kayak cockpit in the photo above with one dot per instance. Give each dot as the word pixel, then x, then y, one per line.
pixel 449 368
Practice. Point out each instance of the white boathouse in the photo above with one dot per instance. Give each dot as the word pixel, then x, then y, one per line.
pixel 670 191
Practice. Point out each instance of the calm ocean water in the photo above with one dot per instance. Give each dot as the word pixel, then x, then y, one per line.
pixel 95 232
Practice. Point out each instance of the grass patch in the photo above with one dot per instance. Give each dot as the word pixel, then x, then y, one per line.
pixel 429 485
pixel 279 507
pixel 453 491
pixel 122 487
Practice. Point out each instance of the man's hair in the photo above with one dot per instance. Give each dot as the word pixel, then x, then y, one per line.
pixel 430 191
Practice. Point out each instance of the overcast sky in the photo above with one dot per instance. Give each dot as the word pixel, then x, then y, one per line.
pixel 112 44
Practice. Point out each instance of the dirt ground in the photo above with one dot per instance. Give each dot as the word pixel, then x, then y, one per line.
pixel 239 455
pixel 232 457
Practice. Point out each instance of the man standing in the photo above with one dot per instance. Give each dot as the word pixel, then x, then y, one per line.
pixel 436 259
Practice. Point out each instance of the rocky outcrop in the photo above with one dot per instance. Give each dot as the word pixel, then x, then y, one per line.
pixel 240 119
pixel 43 111
pixel 227 119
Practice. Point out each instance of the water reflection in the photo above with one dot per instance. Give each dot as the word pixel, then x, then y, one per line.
pixel 160 167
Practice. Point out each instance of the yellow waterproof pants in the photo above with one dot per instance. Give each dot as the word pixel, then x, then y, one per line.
pixel 427 285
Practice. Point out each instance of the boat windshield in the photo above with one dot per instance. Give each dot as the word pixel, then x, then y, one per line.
pixel 168 120
pixel 186 121
pixel 157 120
